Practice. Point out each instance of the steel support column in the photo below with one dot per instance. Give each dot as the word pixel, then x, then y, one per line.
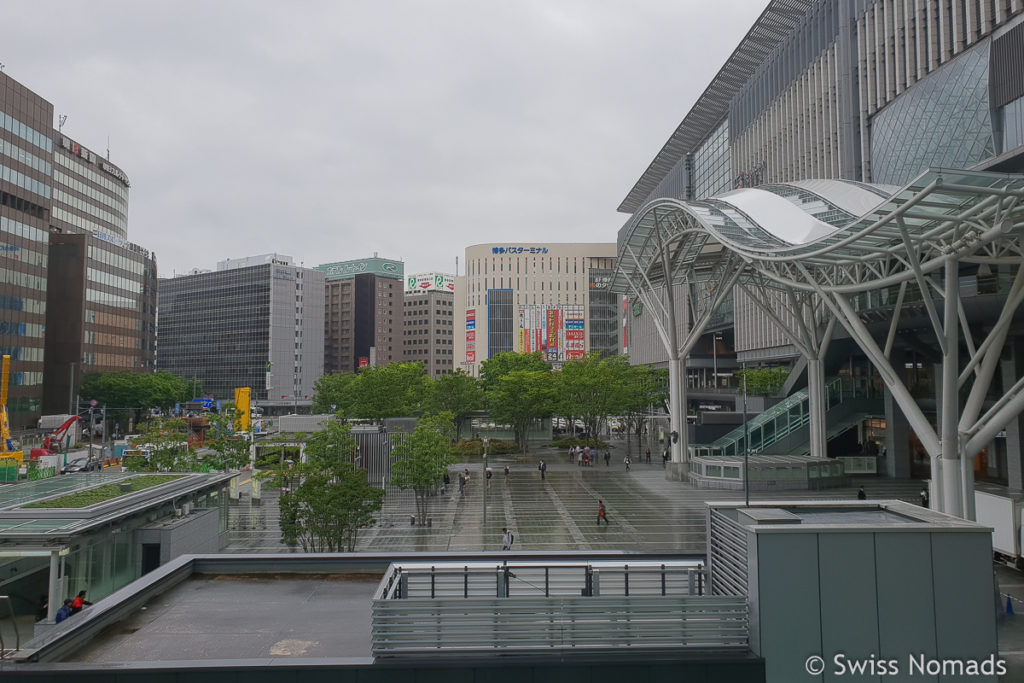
pixel 952 477
pixel 53 593
pixel 816 407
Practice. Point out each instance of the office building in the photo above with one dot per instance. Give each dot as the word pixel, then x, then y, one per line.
pixel 255 322
pixel 528 297
pixel 428 322
pixel 75 295
pixel 781 208
pixel 363 313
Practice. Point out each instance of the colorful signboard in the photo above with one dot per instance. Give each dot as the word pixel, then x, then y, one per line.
pixel 364 361
pixel 518 249
pixel 375 266
pixel 430 282
pixel 556 331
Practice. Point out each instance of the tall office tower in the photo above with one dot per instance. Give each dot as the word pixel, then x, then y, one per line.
pixel 101 288
pixel 254 322
pixel 428 322
pixel 363 313
pixel 64 206
pixel 551 298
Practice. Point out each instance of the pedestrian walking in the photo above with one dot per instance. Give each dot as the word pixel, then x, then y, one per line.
pixel 664 458
pixel 607 459
pixel 506 474
pixel 579 457
pixel 924 498
pixel 462 483
pixel 627 463
pixel 543 467
pixel 601 513
pixel 648 455
pixel 447 480
pixel 507 539
pixel 488 474
pixel 861 494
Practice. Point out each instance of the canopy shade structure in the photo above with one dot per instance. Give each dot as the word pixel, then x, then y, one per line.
pixel 801 250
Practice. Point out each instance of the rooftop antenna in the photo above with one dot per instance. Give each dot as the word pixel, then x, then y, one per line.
pixel 60 122
pixel 108 148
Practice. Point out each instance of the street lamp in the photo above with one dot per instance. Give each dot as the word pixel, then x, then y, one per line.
pixel 746 442
pixel 483 483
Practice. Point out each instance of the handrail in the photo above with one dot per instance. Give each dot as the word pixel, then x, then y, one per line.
pixel 733 443
pixel 17 634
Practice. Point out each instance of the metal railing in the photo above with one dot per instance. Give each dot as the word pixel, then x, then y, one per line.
pixel 522 579
pixel 14 622
pixel 774 424
pixel 522 607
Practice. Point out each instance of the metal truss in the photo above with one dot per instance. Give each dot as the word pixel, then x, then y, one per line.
pixel 918 237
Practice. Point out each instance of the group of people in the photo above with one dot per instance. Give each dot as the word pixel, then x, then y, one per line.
pixel 585 456
pixel 69 608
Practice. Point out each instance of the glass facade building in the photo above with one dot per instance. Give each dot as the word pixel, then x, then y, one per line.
pixel 248 324
pixel 75 295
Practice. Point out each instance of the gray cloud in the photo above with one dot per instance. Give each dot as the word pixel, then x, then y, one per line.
pixel 332 130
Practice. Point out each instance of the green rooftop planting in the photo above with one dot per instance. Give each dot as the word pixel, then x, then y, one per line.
pixel 83 499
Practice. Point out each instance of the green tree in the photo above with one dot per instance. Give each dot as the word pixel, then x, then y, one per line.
pixel 762 381
pixel 128 394
pixel 395 390
pixel 520 397
pixel 420 461
pixel 166 439
pixel 331 499
pixel 227 450
pixel 335 393
pixel 458 394
pixel 496 367
pixel 644 388
pixel 592 388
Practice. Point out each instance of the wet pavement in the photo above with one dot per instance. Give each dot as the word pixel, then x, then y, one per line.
pixel 646 512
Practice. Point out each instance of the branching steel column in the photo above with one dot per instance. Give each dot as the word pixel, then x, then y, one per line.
pixel 676 380
pixel 953 478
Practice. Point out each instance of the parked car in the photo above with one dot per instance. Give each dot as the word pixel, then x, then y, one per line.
pixel 82 464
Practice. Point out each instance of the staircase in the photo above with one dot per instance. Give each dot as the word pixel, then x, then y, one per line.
pixel 783 428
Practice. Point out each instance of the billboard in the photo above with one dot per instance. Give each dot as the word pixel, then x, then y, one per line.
pixel 558 332
pixel 430 282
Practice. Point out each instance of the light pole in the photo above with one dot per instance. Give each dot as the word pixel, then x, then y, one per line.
pixel 746 442
pixel 483 484
pixel 714 351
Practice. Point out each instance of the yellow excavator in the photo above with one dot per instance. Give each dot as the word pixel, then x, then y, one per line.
pixel 7 451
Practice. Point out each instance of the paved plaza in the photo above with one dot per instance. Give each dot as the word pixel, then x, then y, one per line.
pixel 646 512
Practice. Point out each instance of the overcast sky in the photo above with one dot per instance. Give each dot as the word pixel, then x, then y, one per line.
pixel 332 130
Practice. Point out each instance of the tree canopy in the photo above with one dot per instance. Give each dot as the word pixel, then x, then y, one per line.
pixel 332 499
pixel 458 394
pixel 520 397
pixel 420 460
pixel 496 367
pixel 129 394
pixel 394 390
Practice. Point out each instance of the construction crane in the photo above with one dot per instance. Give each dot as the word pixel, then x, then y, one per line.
pixel 7 451
pixel 52 442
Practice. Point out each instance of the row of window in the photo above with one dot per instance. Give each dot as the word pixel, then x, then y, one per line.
pixel 108 319
pixel 22 303
pixel 115 300
pixel 24 182
pixel 84 223
pixel 20 155
pixel 115 281
pixel 25 354
pixel 93 193
pixel 26 379
pixel 100 179
pixel 13 227
pixel 19 279
pixel 107 339
pixel 111 360
pixel 97 253
pixel 13 328
pixel 26 133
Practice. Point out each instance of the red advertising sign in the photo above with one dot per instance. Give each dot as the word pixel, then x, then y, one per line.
pixel 471 356
pixel 553 325
pixel 574 334
pixel 574 355
pixel 470 314
pixel 471 335
pixel 364 361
